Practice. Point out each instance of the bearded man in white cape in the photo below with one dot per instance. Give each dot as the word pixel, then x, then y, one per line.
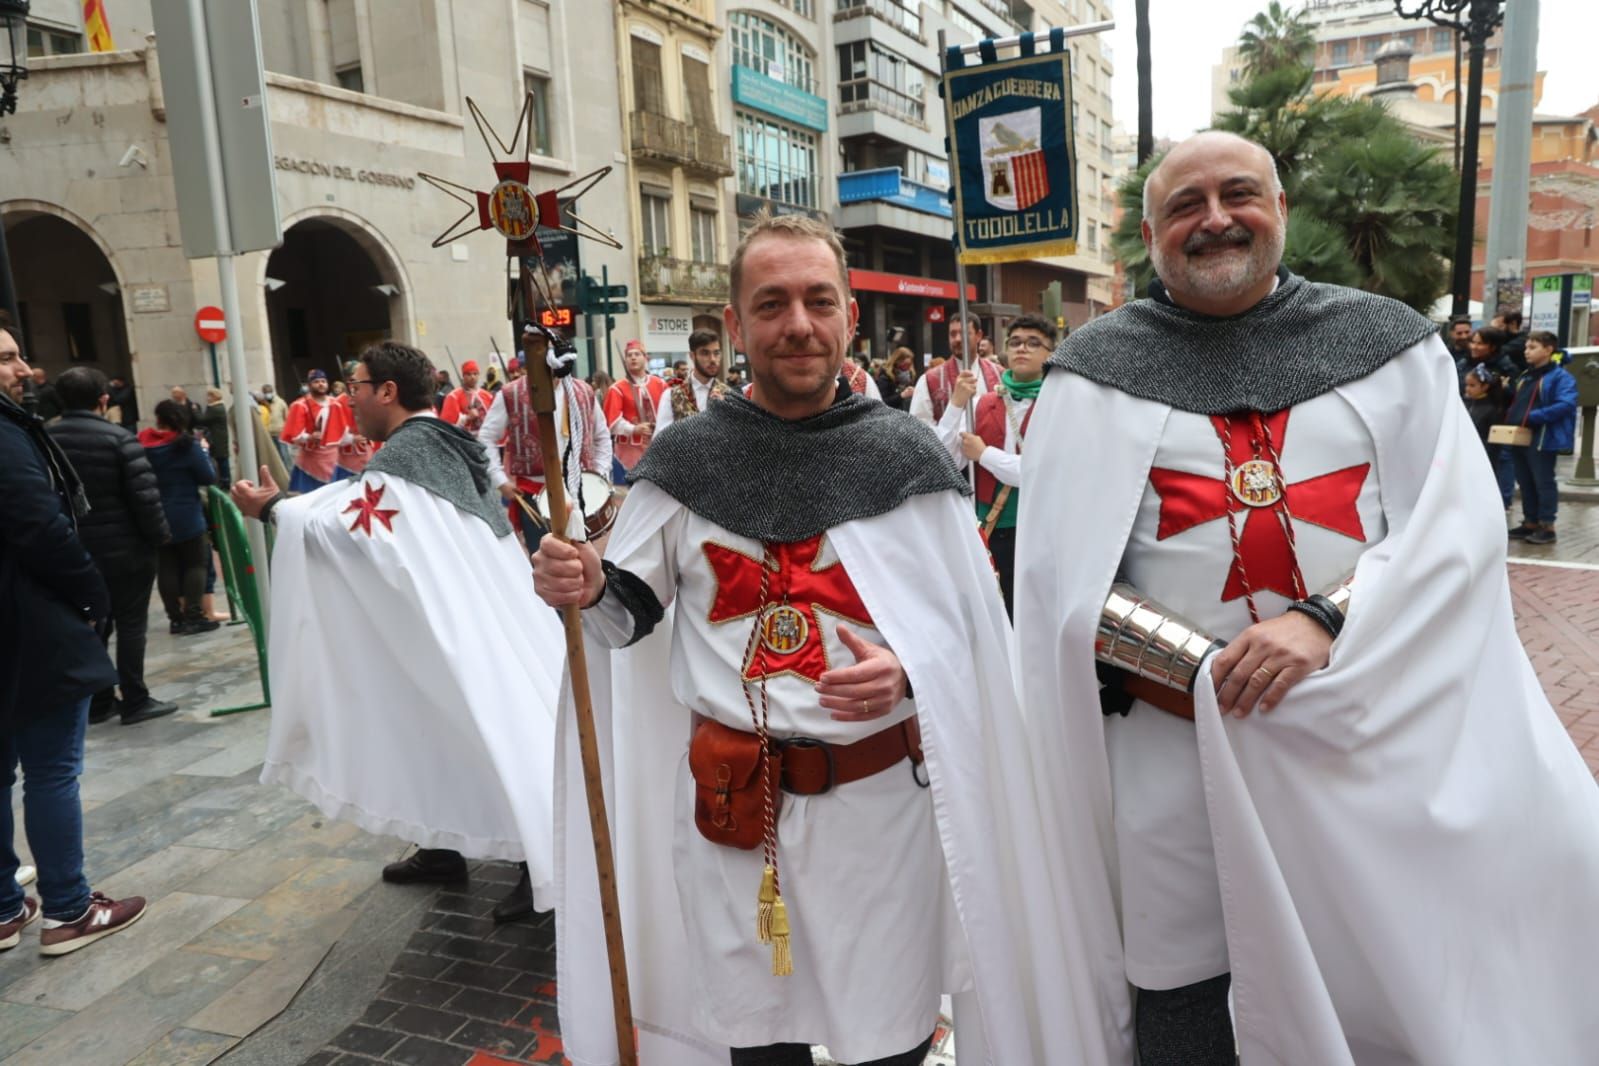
pixel 414 678
pixel 904 860
pixel 1324 765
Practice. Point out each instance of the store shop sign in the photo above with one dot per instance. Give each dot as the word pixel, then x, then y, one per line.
pixel 320 169
pixel 754 89
pixel 904 285
pixel 666 328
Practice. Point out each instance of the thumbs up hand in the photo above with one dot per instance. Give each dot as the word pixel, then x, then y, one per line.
pixel 870 688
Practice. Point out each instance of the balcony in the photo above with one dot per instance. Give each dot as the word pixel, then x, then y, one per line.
pixel 658 136
pixel 898 13
pixel 869 94
pixel 663 278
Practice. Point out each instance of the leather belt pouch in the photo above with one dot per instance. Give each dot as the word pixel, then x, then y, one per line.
pixel 729 791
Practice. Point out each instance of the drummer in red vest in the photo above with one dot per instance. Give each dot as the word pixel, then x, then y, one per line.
pixel 512 425
pixel 934 388
pixel 467 405
pixel 633 405
pixel 1001 420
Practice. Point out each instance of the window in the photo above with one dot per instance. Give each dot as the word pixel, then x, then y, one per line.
pixel 762 45
pixel 350 78
pixel 775 160
pixel 46 41
pixel 1091 236
pixel 873 76
pixel 649 93
pixel 698 105
pixel 540 87
pixel 702 230
pixel 963 23
pixel 656 216
pixel 801 7
pixel 1370 47
pixel 1443 40
pixel 1340 53
pixel 1105 135
pixel 905 14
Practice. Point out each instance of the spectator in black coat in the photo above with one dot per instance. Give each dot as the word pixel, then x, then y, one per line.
pixel 1515 346
pixel 213 422
pixel 51 597
pixel 123 531
pixel 125 403
pixel 182 469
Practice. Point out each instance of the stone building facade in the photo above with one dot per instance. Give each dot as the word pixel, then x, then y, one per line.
pixel 362 95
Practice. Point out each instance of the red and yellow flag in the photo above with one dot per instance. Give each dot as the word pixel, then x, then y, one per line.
pixel 95 27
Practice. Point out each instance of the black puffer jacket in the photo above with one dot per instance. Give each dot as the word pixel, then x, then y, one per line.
pixel 125 522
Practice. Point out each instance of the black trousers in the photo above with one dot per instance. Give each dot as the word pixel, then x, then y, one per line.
pixel 182 573
pixel 1002 546
pixel 800 1055
pixel 130 616
pixel 1187 1026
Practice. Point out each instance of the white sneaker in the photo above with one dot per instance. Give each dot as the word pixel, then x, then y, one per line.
pixel 26 874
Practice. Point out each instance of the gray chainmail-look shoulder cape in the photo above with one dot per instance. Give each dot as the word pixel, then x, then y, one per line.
pixel 448 462
pixel 1301 341
pixel 781 481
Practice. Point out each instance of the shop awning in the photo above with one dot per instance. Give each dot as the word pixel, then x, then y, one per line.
pixel 905 285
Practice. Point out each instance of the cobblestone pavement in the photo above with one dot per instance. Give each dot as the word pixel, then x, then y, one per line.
pixel 271 941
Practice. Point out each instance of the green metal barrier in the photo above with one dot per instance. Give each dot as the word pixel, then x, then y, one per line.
pixel 238 574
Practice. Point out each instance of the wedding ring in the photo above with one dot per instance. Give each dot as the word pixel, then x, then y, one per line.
pixel 1266 673
pixel 866 706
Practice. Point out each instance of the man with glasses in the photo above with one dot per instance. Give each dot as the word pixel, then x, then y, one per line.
pixel 1000 421
pixel 385 715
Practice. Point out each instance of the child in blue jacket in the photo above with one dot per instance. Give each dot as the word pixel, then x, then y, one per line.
pixel 1544 400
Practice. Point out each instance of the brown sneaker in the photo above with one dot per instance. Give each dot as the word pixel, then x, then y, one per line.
pixel 11 932
pixel 104 917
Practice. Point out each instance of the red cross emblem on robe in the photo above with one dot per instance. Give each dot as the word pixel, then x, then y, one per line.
pixel 790 640
pixel 1263 503
pixel 366 509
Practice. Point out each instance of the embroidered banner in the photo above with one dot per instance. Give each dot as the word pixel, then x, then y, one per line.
pixel 1012 154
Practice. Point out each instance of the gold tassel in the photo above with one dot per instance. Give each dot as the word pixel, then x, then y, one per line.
pixel 763 907
pixel 782 956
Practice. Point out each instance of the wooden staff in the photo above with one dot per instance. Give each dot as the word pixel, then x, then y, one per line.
pixel 541 385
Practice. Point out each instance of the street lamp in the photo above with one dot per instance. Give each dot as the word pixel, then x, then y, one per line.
pixel 1476 20
pixel 13 68
pixel 13 51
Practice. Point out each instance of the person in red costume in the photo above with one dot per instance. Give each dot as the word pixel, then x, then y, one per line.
pixel 633 405
pixel 467 405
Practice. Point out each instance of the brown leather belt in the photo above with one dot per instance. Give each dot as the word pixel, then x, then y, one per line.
pixel 1157 695
pixel 811 767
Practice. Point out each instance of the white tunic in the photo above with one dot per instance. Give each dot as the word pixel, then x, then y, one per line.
pixel 1174 930
pixel 862 872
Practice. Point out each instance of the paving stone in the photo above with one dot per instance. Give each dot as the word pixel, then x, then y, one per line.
pixel 479 1003
pixel 367 1040
pixel 20 1024
pixel 418 1020
pixel 461 925
pixel 163 872
pixel 322 1058
pixel 419 990
pixel 420 1051
pixel 142 1010
pixel 264 994
pixel 506 1040
pixel 244 752
pixel 72 982
pixel 284 850
pixel 457 903
pixel 465 947
pixel 185 1047
pixel 264 927
pixel 412 964
pixel 379 1012
pixel 478 975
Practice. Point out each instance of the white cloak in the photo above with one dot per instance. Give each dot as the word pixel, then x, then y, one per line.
pixel 414 673
pixel 1018 903
pixel 1408 846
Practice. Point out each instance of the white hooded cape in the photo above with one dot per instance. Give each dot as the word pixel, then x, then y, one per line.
pixel 414 674
pixel 1408 846
pixel 1022 907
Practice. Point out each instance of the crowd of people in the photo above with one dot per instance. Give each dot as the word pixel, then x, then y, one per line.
pixel 1524 405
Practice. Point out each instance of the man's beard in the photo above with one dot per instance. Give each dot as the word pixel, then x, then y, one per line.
pixel 1219 276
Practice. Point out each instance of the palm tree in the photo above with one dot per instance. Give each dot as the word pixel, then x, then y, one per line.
pixel 1275 39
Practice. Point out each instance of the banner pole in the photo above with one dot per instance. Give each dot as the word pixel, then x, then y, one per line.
pixel 968 357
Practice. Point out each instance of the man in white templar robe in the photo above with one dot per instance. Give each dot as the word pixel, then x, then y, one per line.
pixel 1371 827
pixel 384 712
pixel 801 607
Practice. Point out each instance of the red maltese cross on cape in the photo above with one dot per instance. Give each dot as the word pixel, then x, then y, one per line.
pixel 1263 502
pixel 791 640
pixel 366 510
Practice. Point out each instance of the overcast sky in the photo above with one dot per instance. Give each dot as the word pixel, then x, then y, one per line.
pixel 1187 37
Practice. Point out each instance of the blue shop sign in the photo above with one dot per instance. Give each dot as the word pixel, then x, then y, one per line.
pixel 754 89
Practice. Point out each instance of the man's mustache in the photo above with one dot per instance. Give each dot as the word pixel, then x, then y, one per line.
pixel 1231 236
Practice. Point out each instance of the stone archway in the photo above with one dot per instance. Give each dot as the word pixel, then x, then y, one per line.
pixel 69 291
pixel 332 287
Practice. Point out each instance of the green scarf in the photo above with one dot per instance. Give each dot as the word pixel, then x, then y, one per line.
pixel 1022 390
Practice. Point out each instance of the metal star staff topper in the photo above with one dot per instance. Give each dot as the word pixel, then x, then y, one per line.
pixel 511 208
pixel 517 213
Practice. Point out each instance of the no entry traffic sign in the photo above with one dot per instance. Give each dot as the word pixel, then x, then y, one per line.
pixel 210 324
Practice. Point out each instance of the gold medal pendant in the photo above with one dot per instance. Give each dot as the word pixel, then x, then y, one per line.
pixel 784 630
pixel 1256 483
